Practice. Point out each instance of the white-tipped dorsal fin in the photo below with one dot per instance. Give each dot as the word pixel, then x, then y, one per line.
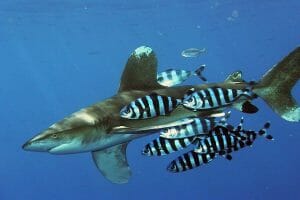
pixel 140 72
pixel 236 76
pixel 112 163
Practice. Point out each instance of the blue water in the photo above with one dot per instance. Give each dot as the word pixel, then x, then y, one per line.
pixel 58 56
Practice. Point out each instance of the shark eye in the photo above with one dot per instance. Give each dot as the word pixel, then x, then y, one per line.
pixel 54 135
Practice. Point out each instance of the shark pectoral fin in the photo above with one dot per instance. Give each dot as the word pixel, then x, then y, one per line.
pixel 140 72
pixel 112 163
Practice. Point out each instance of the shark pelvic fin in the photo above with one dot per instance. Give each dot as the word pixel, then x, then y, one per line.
pixel 276 85
pixel 140 72
pixel 112 163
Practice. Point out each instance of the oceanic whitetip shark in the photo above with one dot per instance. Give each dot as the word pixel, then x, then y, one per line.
pixel 99 129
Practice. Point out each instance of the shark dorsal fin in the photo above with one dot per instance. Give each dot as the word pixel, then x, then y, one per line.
pixel 140 72
pixel 236 76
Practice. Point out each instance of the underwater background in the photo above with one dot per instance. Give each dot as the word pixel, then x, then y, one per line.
pixel 58 56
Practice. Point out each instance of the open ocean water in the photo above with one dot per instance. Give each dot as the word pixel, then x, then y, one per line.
pixel 58 56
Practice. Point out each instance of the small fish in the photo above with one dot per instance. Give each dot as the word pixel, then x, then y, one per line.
pixel 172 77
pixel 219 140
pixel 224 140
pixel 190 160
pixel 149 106
pixel 192 52
pixel 217 97
pixel 199 126
pixel 162 146
pixel 193 159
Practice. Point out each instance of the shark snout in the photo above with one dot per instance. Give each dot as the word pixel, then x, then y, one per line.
pixel 38 143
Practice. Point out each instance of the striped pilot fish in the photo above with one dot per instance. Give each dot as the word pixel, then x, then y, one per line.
pixel 199 126
pixel 162 146
pixel 223 139
pixel 213 146
pixel 218 97
pixel 149 106
pixel 172 77
pixel 190 160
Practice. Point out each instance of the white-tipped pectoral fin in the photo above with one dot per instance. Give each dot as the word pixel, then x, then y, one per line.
pixel 112 163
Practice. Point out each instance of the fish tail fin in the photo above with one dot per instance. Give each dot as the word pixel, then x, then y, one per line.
pixel 199 71
pixel 276 85
pixel 263 131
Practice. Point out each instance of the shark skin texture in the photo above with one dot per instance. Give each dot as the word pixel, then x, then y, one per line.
pixel 99 129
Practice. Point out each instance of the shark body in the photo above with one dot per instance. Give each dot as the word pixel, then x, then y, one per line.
pixel 99 129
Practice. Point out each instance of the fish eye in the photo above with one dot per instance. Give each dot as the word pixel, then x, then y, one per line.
pixel 191 100
pixel 54 135
pixel 126 111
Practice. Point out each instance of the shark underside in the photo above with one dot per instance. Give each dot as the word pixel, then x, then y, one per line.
pixel 99 129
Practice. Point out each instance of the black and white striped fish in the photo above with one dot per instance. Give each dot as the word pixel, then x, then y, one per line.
pixel 219 140
pixel 172 77
pixel 193 159
pixel 218 97
pixel 149 106
pixel 162 146
pixel 199 126
pixel 190 160
pixel 222 140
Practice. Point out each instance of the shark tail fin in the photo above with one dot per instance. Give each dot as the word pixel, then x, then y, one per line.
pixel 276 85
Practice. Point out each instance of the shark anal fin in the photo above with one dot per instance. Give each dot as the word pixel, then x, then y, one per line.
pixel 112 163
pixel 140 72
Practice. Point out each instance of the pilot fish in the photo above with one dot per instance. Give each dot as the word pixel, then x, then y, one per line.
pixel 199 126
pixel 172 77
pixel 218 97
pixel 162 146
pixel 192 52
pixel 190 160
pixel 212 146
pixel 149 106
pixel 224 146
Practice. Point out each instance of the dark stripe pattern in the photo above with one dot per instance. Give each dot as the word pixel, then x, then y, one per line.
pixel 197 127
pixel 219 140
pixel 172 77
pixel 222 141
pixel 214 97
pixel 190 160
pixel 149 106
pixel 162 146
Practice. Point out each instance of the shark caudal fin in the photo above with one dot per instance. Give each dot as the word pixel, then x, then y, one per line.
pixel 112 163
pixel 276 85
pixel 140 72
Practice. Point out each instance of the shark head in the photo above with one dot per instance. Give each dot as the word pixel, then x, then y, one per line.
pixel 53 142
pixel 79 132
